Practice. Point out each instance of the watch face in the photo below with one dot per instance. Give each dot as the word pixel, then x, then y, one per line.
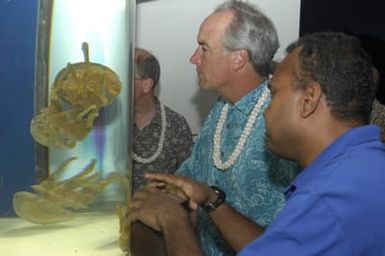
pixel 220 199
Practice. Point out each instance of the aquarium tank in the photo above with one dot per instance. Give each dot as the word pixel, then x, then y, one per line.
pixel 66 104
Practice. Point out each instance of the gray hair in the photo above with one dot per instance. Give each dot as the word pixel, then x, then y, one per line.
pixel 253 31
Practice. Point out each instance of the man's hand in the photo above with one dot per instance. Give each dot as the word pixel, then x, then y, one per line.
pixel 194 192
pixel 160 211
pixel 155 208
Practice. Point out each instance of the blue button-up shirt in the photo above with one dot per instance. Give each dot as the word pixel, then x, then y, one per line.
pixel 253 184
pixel 336 206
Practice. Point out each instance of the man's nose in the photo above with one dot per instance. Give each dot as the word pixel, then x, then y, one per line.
pixel 194 59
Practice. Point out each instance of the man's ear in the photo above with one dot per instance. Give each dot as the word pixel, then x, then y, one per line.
pixel 239 59
pixel 310 99
pixel 147 85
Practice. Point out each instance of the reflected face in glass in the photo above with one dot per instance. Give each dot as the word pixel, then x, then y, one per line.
pixel 138 88
pixel 282 115
pixel 212 61
pixel 138 80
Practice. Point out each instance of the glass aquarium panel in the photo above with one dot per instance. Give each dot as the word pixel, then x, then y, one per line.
pixel 102 24
pixel 82 129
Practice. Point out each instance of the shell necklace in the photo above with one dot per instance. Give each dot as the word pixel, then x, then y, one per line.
pixel 152 158
pixel 223 166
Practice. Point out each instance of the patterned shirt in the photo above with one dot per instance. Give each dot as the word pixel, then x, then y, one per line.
pixel 176 147
pixel 378 117
pixel 253 184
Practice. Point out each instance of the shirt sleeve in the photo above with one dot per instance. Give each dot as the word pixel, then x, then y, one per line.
pixel 189 164
pixel 186 141
pixel 194 166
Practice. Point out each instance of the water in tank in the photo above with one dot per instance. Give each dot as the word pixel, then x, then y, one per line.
pixel 82 133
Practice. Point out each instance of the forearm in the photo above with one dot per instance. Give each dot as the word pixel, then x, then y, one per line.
pixel 236 229
pixel 180 239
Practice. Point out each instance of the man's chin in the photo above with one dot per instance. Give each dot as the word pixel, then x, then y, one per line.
pixel 267 138
pixel 202 85
pixel 270 144
pixel 276 150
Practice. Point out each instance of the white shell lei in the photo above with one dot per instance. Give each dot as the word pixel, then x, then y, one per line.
pixel 223 166
pixel 160 143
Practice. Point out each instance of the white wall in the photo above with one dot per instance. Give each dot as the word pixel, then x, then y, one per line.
pixel 168 28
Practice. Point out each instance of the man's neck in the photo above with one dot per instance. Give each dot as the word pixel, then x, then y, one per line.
pixel 317 142
pixel 241 86
pixel 145 110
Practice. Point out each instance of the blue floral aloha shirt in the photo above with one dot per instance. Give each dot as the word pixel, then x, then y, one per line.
pixel 253 185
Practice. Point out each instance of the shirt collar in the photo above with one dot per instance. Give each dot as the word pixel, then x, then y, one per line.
pixel 350 138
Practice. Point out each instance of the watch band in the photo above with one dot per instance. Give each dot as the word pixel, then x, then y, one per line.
pixel 220 199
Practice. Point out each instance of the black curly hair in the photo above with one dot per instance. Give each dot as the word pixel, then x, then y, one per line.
pixel 342 68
